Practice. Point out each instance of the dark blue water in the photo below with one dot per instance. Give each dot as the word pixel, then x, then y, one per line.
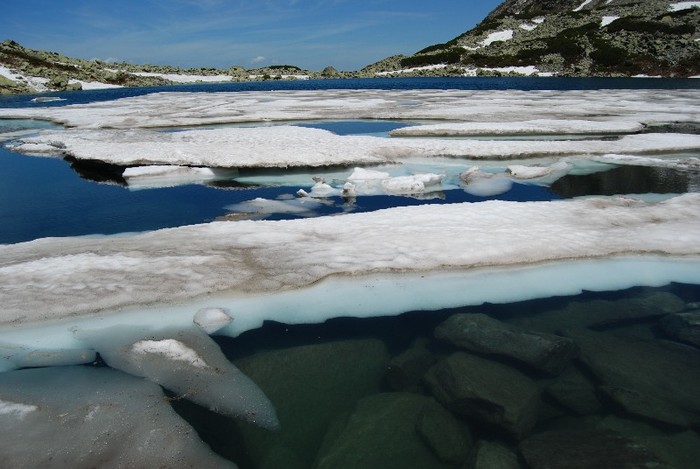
pixel 459 83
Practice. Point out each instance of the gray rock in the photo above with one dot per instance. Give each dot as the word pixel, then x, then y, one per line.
pixel 654 370
pixel 486 391
pixel 684 327
pixel 406 369
pixel 483 334
pixel 492 455
pixel 586 449
pixel 575 392
pixel 382 433
pixel 310 386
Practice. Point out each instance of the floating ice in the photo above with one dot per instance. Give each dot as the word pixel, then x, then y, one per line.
pixel 187 362
pixel 538 127
pixel 142 177
pixel 212 319
pixel 262 208
pixel 93 417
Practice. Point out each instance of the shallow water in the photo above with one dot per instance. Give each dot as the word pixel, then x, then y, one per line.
pixel 322 377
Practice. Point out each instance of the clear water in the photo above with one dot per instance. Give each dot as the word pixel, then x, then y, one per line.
pixel 322 378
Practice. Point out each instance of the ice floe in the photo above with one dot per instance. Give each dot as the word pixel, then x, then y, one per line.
pixel 536 127
pixel 93 417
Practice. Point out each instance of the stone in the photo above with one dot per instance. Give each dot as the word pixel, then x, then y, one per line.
pixel 450 440
pixel 487 391
pixel 310 386
pixel 684 327
pixel 387 431
pixel 407 368
pixel 586 449
pixel 482 334
pixel 493 455
pixel 655 371
pixel 646 407
pixel 575 392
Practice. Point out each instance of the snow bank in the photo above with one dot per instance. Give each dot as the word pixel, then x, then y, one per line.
pixel 94 85
pixel 36 83
pixel 181 78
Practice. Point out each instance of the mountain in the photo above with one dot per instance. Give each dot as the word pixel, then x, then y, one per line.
pixel 567 38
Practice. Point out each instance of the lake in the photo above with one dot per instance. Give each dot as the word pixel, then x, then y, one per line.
pixel 611 374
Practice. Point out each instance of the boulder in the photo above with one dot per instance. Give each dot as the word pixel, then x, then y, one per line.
pixel 486 391
pixel 575 392
pixel 407 368
pixel 492 455
pixel 655 372
pixel 397 430
pixel 310 386
pixel 684 327
pixel 482 334
pixel 586 449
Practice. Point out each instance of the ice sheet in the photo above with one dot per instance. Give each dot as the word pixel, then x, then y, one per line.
pixel 57 278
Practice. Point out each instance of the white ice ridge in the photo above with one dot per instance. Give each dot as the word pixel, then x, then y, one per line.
pixel 489 106
pixel 54 278
pixel 291 146
pixel 537 126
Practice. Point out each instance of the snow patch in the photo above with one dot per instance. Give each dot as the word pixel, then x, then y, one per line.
pixel 16 410
pixel 683 6
pixel 606 20
pixel 581 6
pixel 93 85
pixel 170 349
pixel 498 36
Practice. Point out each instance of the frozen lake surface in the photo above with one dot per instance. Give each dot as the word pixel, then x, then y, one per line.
pixel 382 273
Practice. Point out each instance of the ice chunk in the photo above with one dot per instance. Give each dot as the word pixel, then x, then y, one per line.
pixel 17 356
pixel 93 417
pixel 261 208
pixel 189 363
pixel 147 177
pixel 212 319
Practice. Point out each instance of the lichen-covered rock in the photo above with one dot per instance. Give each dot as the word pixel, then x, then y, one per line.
pixel 486 391
pixel 482 334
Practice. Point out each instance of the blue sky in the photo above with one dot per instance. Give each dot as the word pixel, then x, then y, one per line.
pixel 347 34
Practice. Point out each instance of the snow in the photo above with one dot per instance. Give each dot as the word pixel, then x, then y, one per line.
pixel 683 6
pixel 538 20
pixel 581 6
pixel 498 36
pixel 145 177
pixel 528 26
pixel 16 409
pixel 182 78
pixel 212 319
pixel 94 85
pixel 290 146
pixel 411 70
pixel 35 83
pixel 171 349
pixel 606 20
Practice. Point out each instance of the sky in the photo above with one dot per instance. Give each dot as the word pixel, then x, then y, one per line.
pixel 311 34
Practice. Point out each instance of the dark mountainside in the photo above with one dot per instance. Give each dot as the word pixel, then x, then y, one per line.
pixel 570 38
pixel 530 37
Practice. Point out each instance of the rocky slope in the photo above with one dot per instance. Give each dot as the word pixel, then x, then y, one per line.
pixel 568 38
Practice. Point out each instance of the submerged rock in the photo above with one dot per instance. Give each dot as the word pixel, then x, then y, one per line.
pixel 486 391
pixel 397 430
pixel 84 417
pixel 310 386
pixel 187 362
pixel 407 368
pixel 586 449
pixel 492 455
pixel 684 327
pixel 661 379
pixel 575 392
pixel 483 334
